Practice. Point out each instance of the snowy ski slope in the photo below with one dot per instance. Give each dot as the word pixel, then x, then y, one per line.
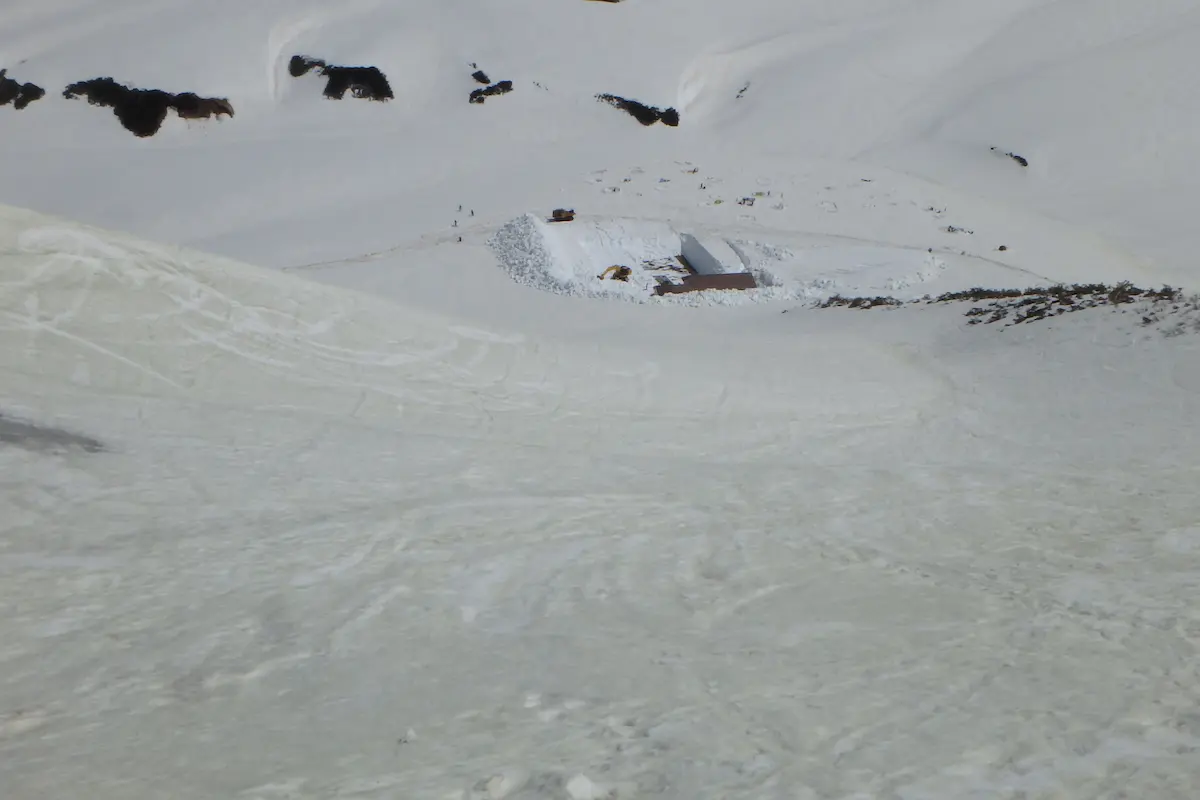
pixel 410 509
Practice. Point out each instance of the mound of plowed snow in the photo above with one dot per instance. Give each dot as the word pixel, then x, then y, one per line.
pixel 570 258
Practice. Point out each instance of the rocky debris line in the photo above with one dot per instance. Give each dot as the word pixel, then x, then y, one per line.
pixel 142 111
pixel 840 301
pixel 17 93
pixel 480 96
pixel 647 115
pixel 364 83
pixel 1024 162
pixel 1021 306
pixel 1013 307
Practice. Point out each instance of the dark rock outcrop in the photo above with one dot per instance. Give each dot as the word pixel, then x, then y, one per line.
pixel 300 66
pixel 481 95
pixel 17 93
pixel 191 106
pixel 142 111
pixel 647 115
pixel 366 83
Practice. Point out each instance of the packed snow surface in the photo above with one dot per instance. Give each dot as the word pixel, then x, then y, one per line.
pixel 413 510
pixel 265 539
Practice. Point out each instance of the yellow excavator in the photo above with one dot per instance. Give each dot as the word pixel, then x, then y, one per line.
pixel 617 272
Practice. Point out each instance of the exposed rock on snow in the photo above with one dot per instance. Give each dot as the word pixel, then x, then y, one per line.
pixel 1024 162
pixel 480 96
pixel 142 111
pixel 647 115
pixel 367 83
pixel 18 94
pixel 1166 309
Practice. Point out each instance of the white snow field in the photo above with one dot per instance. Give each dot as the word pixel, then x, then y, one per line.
pixel 411 508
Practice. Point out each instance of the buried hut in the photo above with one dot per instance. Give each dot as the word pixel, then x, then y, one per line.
pixel 711 263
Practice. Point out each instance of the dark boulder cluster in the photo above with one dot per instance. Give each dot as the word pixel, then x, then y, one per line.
pixel 142 111
pixel 17 93
pixel 365 83
pixel 479 96
pixel 647 115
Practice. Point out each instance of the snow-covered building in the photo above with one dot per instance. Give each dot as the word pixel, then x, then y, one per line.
pixel 709 255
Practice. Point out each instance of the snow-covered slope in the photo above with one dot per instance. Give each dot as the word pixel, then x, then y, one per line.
pixel 374 520
pixel 267 539
pixel 1094 94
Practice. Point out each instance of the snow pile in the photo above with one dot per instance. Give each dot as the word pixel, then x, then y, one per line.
pixel 569 258
pixel 583 249
pixel 521 248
